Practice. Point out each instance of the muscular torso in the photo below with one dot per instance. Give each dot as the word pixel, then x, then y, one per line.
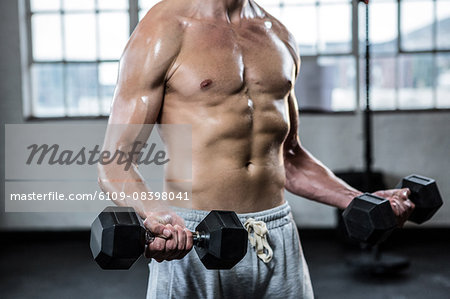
pixel 231 83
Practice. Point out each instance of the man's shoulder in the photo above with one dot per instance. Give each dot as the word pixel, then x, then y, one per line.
pixel 165 17
pixel 158 37
pixel 279 29
pixel 283 33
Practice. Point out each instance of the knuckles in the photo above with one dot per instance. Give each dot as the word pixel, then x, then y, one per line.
pixel 157 245
pixel 171 246
pixel 175 248
pixel 178 245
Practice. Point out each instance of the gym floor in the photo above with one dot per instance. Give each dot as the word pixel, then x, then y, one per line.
pixel 59 265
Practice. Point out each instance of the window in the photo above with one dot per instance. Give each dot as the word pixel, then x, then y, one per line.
pixel 74 52
pixel 74 47
pixel 410 54
pixel 327 80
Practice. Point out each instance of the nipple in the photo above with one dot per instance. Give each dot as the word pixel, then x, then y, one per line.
pixel 205 83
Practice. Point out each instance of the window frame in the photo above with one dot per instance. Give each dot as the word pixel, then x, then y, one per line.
pixel 400 51
pixel 353 53
pixel 28 60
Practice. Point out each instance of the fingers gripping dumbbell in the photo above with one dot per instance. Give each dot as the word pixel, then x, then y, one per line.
pixel 370 218
pixel 424 194
pixel 118 239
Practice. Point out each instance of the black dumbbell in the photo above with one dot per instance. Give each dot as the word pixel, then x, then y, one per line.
pixel 370 219
pixel 118 239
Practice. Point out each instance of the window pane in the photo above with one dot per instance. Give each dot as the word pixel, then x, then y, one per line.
pixel 113 34
pixel 47 90
pixel 335 28
pixel 82 89
pixel 362 28
pixel 46 36
pixel 343 92
pixel 327 84
pixel 443 80
pixel 301 21
pixel 382 26
pixel 42 5
pixel 71 5
pixel 113 4
pixel 417 25
pixel 382 84
pixel 80 36
pixel 107 79
pixel 443 24
pixel 416 81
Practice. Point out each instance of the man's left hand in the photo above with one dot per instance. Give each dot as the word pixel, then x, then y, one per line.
pixel 401 205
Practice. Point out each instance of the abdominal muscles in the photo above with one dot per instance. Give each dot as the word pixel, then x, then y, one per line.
pixel 237 159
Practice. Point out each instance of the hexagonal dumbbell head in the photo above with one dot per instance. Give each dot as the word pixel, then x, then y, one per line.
pixel 117 238
pixel 369 218
pixel 424 194
pixel 223 240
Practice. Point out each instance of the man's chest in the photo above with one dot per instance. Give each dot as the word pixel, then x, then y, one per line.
pixel 226 60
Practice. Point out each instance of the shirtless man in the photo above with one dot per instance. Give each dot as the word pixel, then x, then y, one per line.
pixel 228 69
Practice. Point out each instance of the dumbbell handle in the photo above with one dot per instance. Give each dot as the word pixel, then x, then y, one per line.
pixel 199 238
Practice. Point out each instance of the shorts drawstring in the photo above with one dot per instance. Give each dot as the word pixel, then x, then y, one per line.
pixel 257 235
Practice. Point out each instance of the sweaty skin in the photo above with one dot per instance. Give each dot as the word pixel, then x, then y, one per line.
pixel 228 69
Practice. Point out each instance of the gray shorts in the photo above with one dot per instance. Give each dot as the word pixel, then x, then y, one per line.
pixel 285 276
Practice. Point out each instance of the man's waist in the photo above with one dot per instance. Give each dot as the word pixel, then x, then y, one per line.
pixel 273 217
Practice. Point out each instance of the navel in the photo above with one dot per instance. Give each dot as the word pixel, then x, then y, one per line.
pixel 205 83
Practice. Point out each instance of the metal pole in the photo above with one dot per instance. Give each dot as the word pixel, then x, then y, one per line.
pixel 368 154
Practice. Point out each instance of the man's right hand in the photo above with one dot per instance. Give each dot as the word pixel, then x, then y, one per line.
pixel 172 239
pixel 400 203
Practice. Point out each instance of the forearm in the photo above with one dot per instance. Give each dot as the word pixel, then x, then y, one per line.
pixel 308 177
pixel 115 180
